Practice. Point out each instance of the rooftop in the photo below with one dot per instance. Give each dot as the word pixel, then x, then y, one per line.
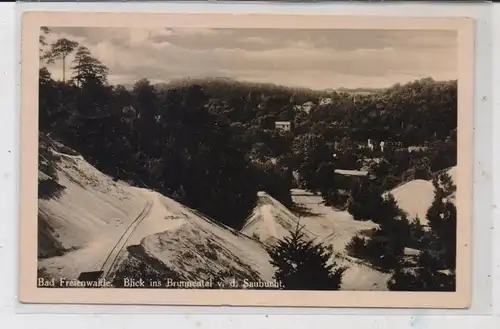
pixel 351 172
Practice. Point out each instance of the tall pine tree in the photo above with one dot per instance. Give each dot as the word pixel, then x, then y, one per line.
pixel 61 49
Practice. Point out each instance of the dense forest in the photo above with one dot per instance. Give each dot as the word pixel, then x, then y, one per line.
pixel 184 138
pixel 212 143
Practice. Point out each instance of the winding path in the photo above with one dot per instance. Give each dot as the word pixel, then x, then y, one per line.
pixel 114 254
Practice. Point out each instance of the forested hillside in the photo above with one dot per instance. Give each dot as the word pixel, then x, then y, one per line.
pixel 183 138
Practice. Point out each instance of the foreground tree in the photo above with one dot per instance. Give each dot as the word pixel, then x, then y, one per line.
pixel 302 264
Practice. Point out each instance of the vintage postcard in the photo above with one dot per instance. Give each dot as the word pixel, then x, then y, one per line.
pixel 246 160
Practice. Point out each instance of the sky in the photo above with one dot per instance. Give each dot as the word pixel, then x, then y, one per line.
pixel 317 59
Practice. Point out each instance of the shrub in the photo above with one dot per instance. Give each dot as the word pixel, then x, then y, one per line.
pixel 380 250
pixel 417 234
pixel 422 172
pixel 335 198
pixel 365 200
pixel 356 247
pixel 384 248
pixel 421 279
pixel 302 264
pixel 276 180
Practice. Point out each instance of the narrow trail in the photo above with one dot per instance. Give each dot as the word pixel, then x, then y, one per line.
pixel 113 256
pixel 68 155
pixel 335 227
pixel 100 258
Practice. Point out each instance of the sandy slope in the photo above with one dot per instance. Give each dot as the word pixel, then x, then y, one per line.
pixel 336 228
pixel 79 227
pixel 196 248
pixel 95 222
pixel 179 243
pixel 271 220
pixel 90 204
pixel 415 197
pixel 330 225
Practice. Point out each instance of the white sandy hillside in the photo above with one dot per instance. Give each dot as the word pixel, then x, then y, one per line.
pixel 193 247
pixel 360 276
pixel 270 220
pixel 328 224
pixel 336 228
pixel 82 226
pixel 89 204
pixel 416 196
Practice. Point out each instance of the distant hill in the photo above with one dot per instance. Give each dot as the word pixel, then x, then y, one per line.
pixel 267 86
pixel 234 84
pixel 361 90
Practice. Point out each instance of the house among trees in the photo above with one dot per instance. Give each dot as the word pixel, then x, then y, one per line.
pixel 283 125
pixel 358 173
pixel 325 101
pixel 417 148
pixel 354 175
pixel 346 179
pixel 306 107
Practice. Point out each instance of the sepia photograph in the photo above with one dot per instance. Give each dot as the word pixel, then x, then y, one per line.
pixel 261 159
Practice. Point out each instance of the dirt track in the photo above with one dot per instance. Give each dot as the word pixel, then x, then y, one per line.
pixel 113 257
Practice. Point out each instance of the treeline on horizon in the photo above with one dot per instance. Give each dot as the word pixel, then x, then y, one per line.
pixel 213 145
